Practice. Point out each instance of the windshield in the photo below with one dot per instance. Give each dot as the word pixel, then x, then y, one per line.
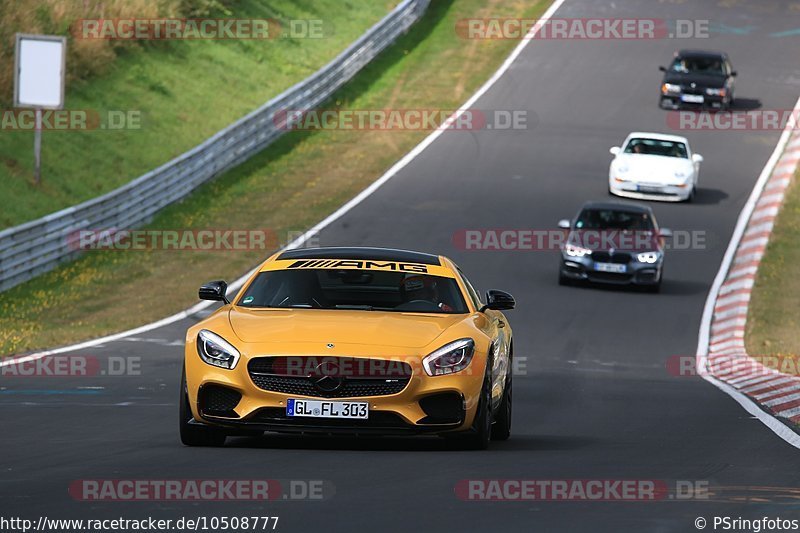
pixel 698 65
pixel 610 219
pixel 657 147
pixel 354 290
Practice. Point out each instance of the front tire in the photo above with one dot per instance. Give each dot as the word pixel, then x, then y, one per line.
pixel 192 435
pixel 478 436
pixel 501 429
pixel 654 288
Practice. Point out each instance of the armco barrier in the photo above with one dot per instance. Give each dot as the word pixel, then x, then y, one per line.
pixel 35 247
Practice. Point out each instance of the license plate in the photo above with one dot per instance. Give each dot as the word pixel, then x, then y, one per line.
pixel 326 409
pixel 692 98
pixel 610 267
pixel 646 189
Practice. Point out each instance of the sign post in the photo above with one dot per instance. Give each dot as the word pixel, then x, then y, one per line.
pixel 39 73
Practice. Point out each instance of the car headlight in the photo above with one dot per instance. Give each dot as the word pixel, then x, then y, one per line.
pixel 670 88
pixel 576 251
pixel 648 257
pixel 216 351
pixel 450 358
pixel 715 92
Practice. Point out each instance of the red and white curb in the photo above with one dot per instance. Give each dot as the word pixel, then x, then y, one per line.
pixel 722 356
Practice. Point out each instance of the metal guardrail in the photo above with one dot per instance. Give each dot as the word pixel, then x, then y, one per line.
pixel 35 247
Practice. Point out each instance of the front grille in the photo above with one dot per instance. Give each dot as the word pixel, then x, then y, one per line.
pixel 609 277
pixel 351 388
pixel 216 400
pixel 347 377
pixel 621 258
pixel 688 89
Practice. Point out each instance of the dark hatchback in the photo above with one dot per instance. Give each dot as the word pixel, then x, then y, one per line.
pixel 698 79
pixel 613 243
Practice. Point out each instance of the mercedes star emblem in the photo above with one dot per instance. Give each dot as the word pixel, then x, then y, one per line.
pixel 325 377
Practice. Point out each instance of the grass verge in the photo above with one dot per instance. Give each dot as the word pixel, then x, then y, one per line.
pixel 289 186
pixel 772 320
pixel 178 93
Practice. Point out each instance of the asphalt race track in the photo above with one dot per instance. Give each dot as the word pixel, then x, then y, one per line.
pixel 595 401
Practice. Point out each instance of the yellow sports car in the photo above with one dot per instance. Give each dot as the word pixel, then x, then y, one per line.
pixel 350 340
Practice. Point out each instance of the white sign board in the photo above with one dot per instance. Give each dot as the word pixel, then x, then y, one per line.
pixel 39 75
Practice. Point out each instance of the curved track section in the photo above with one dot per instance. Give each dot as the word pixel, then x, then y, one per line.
pixel 596 400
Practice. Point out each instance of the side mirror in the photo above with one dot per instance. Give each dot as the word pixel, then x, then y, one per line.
pixel 214 291
pixel 662 69
pixel 614 150
pixel 564 223
pixel 697 158
pixel 498 301
pixel 665 232
pixel 734 73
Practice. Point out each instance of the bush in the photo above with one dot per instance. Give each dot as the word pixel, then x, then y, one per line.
pixel 85 57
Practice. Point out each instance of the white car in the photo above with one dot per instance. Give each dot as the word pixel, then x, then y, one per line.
pixel 652 166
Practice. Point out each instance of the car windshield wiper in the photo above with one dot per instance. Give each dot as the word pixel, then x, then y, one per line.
pixel 362 307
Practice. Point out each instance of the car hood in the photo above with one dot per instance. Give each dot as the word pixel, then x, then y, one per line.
pixel 702 80
pixel 379 328
pixel 605 240
pixel 653 168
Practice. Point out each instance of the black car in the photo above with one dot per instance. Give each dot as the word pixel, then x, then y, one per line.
pixel 698 79
pixel 613 243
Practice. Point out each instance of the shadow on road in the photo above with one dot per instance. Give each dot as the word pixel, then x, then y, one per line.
pixel 706 196
pixel 745 104
pixel 395 444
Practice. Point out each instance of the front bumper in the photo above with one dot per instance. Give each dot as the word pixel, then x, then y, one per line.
pixel 666 193
pixel 232 399
pixel 676 101
pixel 636 273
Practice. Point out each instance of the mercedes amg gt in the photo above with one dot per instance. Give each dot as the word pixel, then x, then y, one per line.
pixel 353 341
